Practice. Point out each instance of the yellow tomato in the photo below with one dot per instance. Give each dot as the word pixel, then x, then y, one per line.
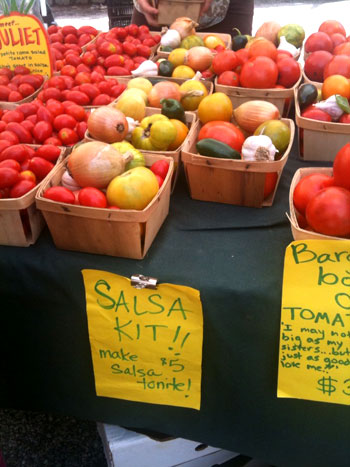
pixel 183 71
pixel 216 106
pixel 135 92
pixel 177 56
pixel 181 133
pixel 132 106
pixel 133 189
pixel 211 41
pixel 188 101
pixel 140 83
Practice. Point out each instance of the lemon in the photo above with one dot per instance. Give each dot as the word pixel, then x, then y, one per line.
pixel 183 71
pixel 140 83
pixel 192 102
pixel 177 56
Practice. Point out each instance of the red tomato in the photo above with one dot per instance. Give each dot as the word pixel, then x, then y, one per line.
pixel 13 116
pixel 40 166
pixel 64 121
pixel 11 163
pixel 160 168
pixel 78 97
pixel 224 61
pixel 229 78
pixel 4 144
pixel 259 73
pixel 225 132
pixel 93 197
pixel 44 114
pixel 102 99
pixel 68 136
pixel 55 107
pixel 270 183
pixel 21 188
pixel 328 212
pixel 341 167
pixel 316 114
pixel 288 72
pixel 339 65
pixel 77 112
pixel 8 177
pixel 42 130
pixel 9 136
pixel 60 194
pixel 315 64
pixel 23 134
pixel 81 129
pixel 18 152
pixel 337 39
pixel 332 26
pixel 50 152
pixel 307 187
pixel 318 41
pixel 345 118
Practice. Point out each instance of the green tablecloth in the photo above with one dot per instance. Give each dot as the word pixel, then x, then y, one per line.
pixel 234 256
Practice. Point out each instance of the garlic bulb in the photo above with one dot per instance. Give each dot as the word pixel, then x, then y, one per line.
pixel 146 68
pixel 171 39
pixel 285 45
pixel 68 181
pixel 258 148
pixel 132 125
pixel 331 107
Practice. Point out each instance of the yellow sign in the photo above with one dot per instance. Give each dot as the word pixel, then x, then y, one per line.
pixel 314 353
pixel 146 345
pixel 24 41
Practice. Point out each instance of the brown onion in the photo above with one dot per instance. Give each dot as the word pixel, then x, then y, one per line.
pixel 107 124
pixel 199 58
pixel 269 30
pixel 251 114
pixel 184 26
pixel 96 164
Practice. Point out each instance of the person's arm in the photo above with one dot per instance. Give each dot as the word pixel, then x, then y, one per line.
pixel 148 11
pixel 205 7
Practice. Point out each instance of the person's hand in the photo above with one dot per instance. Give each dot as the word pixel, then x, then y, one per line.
pixel 205 7
pixel 149 12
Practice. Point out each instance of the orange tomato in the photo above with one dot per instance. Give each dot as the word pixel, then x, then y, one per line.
pixel 181 133
pixel 216 106
pixel 336 84
pixel 263 47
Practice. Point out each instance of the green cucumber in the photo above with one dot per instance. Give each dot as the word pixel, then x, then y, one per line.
pixel 211 147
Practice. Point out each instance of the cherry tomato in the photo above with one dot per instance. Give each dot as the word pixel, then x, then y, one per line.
pixel 328 212
pixel 160 168
pixel 93 197
pixel 259 72
pixel 307 187
pixel 60 194
pixel 21 188
pixel 341 167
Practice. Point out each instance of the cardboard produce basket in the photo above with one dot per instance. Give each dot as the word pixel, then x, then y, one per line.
pixel 281 98
pixel 319 141
pixel 297 231
pixel 169 10
pixel 20 222
pixel 191 119
pixel 124 233
pixel 225 37
pixel 230 181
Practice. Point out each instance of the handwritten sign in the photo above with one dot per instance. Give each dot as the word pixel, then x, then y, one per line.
pixel 24 41
pixel 314 354
pixel 146 345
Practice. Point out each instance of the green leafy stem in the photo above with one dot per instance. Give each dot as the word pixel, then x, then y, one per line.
pixel 10 5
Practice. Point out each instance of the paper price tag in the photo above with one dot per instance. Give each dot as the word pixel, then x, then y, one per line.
pixel 146 345
pixel 314 353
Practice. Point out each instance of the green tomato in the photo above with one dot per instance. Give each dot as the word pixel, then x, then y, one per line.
pixel 162 134
pixel 138 158
pixel 278 132
pixel 140 138
pixel 155 133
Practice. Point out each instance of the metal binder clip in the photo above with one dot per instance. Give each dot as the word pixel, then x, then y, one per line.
pixel 142 282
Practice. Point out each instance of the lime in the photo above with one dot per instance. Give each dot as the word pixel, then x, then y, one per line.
pixel 278 132
pixel 294 34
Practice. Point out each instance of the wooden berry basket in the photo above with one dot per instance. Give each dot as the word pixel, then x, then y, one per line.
pixel 123 233
pixel 227 38
pixel 298 232
pixel 191 119
pixel 169 10
pixel 230 181
pixel 281 98
pixel 319 141
pixel 20 222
